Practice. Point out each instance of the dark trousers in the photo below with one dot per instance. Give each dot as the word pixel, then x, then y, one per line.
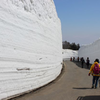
pixel 95 80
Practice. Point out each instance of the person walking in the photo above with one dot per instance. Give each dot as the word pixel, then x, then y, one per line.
pixel 95 72
pixel 88 62
pixel 82 61
pixel 78 59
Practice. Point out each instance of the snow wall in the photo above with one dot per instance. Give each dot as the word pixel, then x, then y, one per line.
pixel 30 45
pixel 92 51
pixel 67 54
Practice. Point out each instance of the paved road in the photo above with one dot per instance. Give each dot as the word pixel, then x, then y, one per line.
pixel 73 84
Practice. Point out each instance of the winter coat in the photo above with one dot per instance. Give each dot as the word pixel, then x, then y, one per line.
pixel 91 69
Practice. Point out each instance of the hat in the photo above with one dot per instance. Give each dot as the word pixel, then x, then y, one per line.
pixel 96 60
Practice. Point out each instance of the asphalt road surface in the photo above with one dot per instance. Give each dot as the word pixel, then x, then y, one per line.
pixel 73 84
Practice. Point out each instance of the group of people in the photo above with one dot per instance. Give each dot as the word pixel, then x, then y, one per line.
pixel 94 70
pixel 82 61
pixel 87 62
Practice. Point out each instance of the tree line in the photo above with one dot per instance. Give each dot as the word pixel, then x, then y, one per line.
pixel 68 45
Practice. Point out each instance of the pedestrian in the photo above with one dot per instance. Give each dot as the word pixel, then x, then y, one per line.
pixel 78 59
pixel 82 62
pixel 95 72
pixel 88 62
pixel 71 59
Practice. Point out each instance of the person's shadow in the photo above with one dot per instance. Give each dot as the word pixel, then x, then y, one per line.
pixel 83 88
pixel 80 65
pixel 97 97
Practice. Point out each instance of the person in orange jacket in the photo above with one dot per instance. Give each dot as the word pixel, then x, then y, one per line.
pixel 94 74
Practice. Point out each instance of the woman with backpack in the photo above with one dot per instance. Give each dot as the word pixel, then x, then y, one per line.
pixel 95 72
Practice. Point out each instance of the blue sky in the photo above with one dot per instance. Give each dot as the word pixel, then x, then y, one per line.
pixel 80 20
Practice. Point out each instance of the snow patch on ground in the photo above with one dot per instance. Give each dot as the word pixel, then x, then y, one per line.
pixel 68 53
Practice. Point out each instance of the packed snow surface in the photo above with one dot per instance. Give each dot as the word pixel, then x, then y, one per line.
pixel 92 51
pixel 30 45
pixel 68 53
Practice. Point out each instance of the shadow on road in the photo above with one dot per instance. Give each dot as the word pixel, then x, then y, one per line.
pixel 82 88
pixel 88 98
pixel 79 65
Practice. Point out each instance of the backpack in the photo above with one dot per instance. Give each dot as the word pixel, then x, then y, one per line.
pixel 96 69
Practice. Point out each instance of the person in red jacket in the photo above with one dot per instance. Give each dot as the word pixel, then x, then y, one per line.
pixel 95 72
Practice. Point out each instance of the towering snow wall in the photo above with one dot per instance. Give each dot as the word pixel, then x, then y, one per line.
pixel 30 45
pixel 92 51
